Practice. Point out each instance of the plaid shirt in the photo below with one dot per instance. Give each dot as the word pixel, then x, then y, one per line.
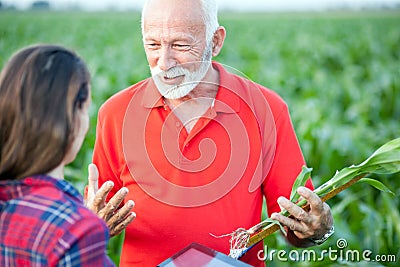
pixel 44 223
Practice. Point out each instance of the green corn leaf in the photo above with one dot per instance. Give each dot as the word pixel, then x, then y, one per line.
pixel 385 160
pixel 375 183
pixel 387 153
pixel 300 181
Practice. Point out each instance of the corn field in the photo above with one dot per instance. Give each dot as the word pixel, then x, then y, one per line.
pixel 339 72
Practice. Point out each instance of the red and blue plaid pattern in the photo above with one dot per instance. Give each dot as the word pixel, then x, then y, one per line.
pixel 43 222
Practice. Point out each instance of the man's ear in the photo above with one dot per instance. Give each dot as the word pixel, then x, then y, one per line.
pixel 218 40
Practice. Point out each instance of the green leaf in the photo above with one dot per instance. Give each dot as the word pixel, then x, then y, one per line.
pixel 376 184
pixel 387 153
pixel 385 160
pixel 300 181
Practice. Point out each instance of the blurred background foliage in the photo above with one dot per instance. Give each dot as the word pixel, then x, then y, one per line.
pixel 339 73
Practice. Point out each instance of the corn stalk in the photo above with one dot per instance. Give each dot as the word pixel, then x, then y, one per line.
pixel 385 160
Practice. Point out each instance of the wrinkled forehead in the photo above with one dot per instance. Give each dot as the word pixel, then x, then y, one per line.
pixel 173 13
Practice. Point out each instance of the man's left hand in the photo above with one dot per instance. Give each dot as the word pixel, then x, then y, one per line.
pixel 305 225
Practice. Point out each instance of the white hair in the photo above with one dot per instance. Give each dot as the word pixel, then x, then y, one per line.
pixel 209 16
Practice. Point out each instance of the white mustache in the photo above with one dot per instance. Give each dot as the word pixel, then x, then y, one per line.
pixel 171 73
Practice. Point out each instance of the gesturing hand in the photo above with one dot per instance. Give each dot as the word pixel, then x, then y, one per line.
pixel 95 200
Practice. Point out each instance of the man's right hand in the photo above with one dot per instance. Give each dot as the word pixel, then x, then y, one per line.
pixel 95 200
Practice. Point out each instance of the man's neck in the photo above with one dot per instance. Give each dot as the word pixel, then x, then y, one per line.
pixel 191 107
pixel 207 88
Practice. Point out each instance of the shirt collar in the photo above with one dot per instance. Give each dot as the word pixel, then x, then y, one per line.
pixel 226 100
pixel 151 96
pixel 17 187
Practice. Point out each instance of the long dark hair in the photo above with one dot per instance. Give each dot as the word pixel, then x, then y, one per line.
pixel 41 88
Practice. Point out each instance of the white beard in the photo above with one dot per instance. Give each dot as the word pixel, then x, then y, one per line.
pixel 191 79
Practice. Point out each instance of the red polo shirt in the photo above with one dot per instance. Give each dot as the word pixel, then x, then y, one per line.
pixel 188 185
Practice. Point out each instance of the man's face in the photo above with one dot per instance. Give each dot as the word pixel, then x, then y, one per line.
pixel 175 46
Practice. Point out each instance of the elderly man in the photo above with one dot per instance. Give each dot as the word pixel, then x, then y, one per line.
pixel 198 147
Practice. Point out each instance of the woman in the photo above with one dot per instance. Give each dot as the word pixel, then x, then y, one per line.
pixel 44 103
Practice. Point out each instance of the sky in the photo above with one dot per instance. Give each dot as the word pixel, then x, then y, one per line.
pixel 269 5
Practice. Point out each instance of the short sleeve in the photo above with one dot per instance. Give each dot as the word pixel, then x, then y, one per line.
pixel 287 163
pixel 105 154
